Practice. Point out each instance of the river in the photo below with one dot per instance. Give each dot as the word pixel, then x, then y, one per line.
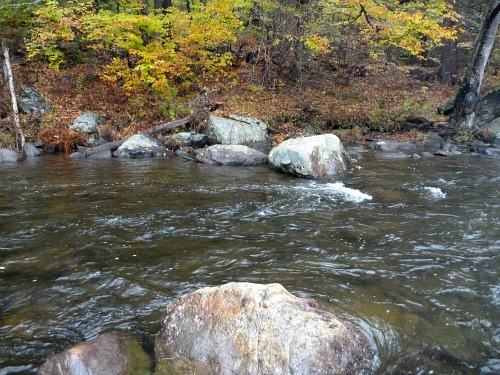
pixel 409 250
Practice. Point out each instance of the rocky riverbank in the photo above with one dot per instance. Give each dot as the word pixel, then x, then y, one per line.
pixel 236 328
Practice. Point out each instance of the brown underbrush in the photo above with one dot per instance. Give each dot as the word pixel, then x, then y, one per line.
pixel 379 101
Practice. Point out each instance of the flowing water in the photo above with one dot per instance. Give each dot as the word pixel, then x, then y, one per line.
pixel 408 250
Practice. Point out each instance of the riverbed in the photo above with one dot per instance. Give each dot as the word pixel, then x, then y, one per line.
pixel 408 250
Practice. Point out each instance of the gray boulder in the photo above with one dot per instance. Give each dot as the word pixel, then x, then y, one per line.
pixel 140 146
pixel 107 154
pixel 310 157
pixel 8 156
pixel 393 146
pixel 238 130
pixel 31 151
pixel 31 102
pixel 251 329
pixel 494 126
pixel 434 140
pixel 231 155
pixel 488 109
pixel 191 140
pixel 109 353
pixel 87 122
pixel 394 155
pixel 77 155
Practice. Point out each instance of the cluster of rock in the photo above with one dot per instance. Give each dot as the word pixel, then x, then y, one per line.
pixel 233 141
pixel 237 328
pixel 244 141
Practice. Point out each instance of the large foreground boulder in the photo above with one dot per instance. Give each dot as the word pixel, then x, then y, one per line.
pixel 310 157
pixel 109 353
pixel 251 329
pixel 140 146
pixel 231 155
pixel 238 130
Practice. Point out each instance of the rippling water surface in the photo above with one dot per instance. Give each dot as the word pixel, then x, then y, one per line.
pixel 408 250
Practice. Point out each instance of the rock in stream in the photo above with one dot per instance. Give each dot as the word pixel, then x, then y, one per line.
pixel 251 329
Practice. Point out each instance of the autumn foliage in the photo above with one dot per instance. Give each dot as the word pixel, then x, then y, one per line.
pixel 328 64
pixel 174 49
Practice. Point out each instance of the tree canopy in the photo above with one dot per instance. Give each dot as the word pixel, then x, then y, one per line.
pixel 167 46
pixel 157 50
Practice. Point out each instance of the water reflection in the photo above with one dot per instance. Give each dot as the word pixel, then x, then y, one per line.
pixel 408 250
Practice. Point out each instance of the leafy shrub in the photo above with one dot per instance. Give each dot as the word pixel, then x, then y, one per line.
pixel 59 138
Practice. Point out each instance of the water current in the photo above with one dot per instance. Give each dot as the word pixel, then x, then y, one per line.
pixel 408 250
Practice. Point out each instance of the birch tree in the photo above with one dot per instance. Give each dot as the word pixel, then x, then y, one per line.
pixel 466 100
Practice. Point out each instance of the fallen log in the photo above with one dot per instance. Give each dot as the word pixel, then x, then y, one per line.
pixel 155 129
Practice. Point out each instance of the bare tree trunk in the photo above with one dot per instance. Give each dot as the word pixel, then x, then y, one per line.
pixel 468 95
pixel 10 79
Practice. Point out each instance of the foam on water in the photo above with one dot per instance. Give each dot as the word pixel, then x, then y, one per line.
pixel 338 189
pixel 349 194
pixel 435 192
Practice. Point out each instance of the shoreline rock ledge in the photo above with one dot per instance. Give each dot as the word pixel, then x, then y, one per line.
pixel 253 329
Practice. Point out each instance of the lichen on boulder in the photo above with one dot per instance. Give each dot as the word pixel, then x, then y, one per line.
pixel 251 329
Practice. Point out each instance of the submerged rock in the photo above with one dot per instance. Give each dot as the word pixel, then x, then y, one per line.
pixel 107 154
pixel 140 146
pixel 77 155
pixel 109 353
pixel 311 157
pixel 231 155
pixel 395 155
pixel 238 130
pixel 251 329
pixel 393 146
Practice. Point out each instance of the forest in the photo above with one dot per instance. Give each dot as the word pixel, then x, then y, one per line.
pixel 200 251
pixel 304 66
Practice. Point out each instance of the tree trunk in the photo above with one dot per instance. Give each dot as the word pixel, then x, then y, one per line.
pixel 162 4
pixel 156 129
pixel 10 79
pixel 448 62
pixel 468 95
pixel 447 72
